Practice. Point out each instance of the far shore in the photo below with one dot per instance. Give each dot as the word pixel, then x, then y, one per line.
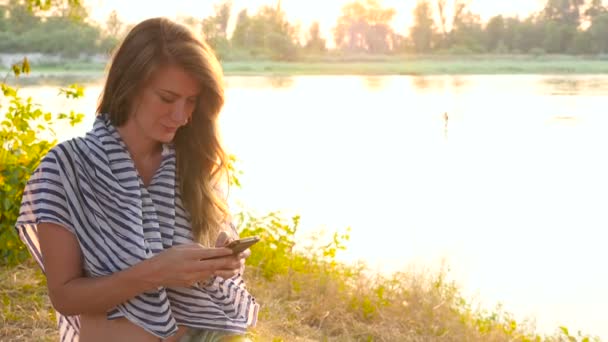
pixel 373 65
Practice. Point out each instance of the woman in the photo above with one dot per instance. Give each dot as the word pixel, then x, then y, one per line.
pixel 121 220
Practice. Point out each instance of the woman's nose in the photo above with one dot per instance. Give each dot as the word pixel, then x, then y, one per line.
pixel 179 113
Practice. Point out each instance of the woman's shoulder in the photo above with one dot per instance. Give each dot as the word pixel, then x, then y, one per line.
pixel 63 153
pixel 67 148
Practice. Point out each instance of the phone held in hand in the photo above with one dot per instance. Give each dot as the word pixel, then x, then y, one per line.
pixel 240 245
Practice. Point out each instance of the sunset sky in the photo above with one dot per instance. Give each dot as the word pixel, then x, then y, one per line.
pixel 305 12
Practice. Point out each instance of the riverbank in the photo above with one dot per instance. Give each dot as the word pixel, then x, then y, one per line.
pixel 388 65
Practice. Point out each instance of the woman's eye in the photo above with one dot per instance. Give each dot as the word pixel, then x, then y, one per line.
pixel 166 100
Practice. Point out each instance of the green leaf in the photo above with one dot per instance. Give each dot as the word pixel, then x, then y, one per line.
pixel 25 66
pixel 73 91
pixel 8 91
pixel 564 330
pixel 16 69
pixel 47 117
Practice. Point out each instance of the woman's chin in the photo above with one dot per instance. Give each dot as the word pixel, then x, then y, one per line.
pixel 165 138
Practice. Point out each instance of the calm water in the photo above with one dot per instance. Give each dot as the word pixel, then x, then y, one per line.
pixel 511 191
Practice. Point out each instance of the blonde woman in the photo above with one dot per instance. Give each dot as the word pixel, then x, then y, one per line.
pixel 127 222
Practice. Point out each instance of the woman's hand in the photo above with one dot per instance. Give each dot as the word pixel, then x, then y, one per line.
pixel 188 264
pixel 222 240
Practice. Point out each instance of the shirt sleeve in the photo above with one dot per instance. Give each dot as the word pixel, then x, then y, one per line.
pixel 44 201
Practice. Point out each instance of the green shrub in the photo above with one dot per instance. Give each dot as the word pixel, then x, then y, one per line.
pixel 21 148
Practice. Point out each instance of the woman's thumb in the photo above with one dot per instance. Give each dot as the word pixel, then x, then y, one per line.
pixel 222 240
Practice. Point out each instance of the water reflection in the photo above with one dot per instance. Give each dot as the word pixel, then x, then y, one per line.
pixel 280 81
pixel 459 82
pixel 428 82
pixel 259 82
pixel 561 86
pixel 582 85
pixel 374 82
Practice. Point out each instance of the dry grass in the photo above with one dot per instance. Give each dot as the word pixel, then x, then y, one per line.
pixel 27 314
pixel 407 307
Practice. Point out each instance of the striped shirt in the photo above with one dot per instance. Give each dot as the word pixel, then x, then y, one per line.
pixel 90 186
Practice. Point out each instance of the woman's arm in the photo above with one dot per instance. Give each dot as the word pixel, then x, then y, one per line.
pixel 72 293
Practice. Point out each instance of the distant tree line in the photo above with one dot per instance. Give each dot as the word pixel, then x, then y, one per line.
pixel 63 29
pixel 561 27
pixel 363 27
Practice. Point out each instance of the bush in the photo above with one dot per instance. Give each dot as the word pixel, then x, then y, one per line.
pixel 460 50
pixel 20 152
pixel 537 52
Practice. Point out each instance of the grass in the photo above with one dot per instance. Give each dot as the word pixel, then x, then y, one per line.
pixel 379 65
pixel 27 314
pixel 425 65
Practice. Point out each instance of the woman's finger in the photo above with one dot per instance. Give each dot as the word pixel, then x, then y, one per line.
pixel 210 253
pixel 227 274
pixel 222 263
pixel 244 254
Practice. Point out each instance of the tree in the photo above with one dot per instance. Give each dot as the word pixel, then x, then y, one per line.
pixel 528 34
pixel 423 29
pixel 114 25
pixel 562 19
pixel 565 12
pixel 267 32
pixel 215 27
pixel 495 32
pixel 20 19
pixel 446 23
pixel 365 27
pixel 556 37
pixel 314 42
pixel 598 32
pixel 467 33
pixel 594 9
pixel 441 12
pixel 240 35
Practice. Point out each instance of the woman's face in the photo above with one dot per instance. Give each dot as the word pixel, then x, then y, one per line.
pixel 165 103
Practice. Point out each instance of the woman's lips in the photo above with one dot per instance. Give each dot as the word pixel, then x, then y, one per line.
pixel 169 129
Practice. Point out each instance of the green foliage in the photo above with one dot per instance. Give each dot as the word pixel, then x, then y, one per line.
pixel 215 29
pixel 314 42
pixel 267 34
pixel 63 31
pixel 599 33
pixel 423 30
pixel 364 26
pixel 273 255
pixel 21 129
pixel 579 337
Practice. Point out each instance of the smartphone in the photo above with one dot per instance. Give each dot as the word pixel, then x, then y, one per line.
pixel 240 245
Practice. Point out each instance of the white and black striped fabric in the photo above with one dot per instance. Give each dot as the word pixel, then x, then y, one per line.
pixel 90 186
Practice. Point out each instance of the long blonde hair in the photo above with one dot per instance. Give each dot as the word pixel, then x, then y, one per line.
pixel 201 160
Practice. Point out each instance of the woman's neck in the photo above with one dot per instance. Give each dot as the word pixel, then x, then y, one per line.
pixel 140 147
